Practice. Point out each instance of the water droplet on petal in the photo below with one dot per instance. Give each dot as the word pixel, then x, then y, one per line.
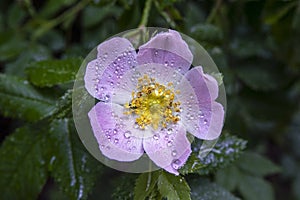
pixel 205 121
pixel 170 143
pixel 127 134
pixel 175 164
pixel 155 53
pixel 174 153
pixel 116 141
pixel 155 137
pixel 169 131
pixel 115 131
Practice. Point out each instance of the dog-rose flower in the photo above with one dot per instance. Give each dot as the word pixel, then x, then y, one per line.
pixel 149 99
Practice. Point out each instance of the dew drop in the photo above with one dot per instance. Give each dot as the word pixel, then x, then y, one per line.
pixel 205 121
pixel 127 134
pixel 115 131
pixel 174 153
pixel 155 137
pixel 175 164
pixel 170 143
pixel 169 131
pixel 116 141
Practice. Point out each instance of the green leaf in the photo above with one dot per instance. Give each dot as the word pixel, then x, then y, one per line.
pixel 225 151
pixel 11 45
pixel 23 168
pixel 207 33
pixel 173 187
pixel 275 16
pixel 192 165
pixel 256 164
pixel 124 187
pixel 19 99
pixel 34 53
pixel 52 72
pixel 261 77
pixel 63 108
pixel 203 189
pixel 228 177
pixel 71 165
pixel 145 184
pixel 253 188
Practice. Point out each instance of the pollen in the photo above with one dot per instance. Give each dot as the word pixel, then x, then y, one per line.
pixel 153 104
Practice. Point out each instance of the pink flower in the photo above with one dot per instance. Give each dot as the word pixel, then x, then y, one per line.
pixel 150 99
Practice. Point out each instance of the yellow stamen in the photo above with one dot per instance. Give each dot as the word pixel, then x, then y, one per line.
pixel 153 104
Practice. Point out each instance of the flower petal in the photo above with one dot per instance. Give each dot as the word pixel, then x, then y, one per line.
pixel 114 132
pixel 166 48
pixel 103 74
pixel 201 115
pixel 168 148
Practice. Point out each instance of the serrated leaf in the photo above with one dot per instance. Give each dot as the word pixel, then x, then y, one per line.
pixel 63 108
pixel 145 184
pixel 257 165
pixel 225 151
pixel 173 187
pixel 203 189
pixel 23 168
pixel 253 188
pixel 18 99
pixel 192 165
pixel 71 166
pixel 52 72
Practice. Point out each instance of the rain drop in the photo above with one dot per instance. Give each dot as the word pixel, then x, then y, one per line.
pixel 116 141
pixel 174 153
pixel 115 131
pixel 169 131
pixel 155 137
pixel 127 134
pixel 170 143
pixel 205 121
pixel 175 164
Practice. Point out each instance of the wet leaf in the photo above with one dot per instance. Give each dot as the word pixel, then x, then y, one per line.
pixel 225 151
pixel 203 189
pixel 19 99
pixel 173 187
pixel 71 165
pixel 53 72
pixel 257 165
pixel 145 184
pixel 23 168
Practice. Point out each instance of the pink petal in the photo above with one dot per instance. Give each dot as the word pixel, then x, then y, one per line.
pixel 114 133
pixel 167 48
pixel 103 74
pixel 168 148
pixel 201 115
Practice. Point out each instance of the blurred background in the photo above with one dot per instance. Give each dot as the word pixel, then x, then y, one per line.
pixel 255 44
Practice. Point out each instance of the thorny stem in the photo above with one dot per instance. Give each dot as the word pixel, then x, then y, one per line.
pixel 146 12
pixel 214 12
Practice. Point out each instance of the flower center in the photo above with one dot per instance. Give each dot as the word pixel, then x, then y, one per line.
pixel 153 104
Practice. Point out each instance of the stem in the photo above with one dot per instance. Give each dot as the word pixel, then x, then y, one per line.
pixel 146 12
pixel 149 176
pixel 213 12
pixel 60 19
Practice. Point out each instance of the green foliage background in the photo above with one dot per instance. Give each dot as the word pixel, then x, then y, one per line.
pixel 256 46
